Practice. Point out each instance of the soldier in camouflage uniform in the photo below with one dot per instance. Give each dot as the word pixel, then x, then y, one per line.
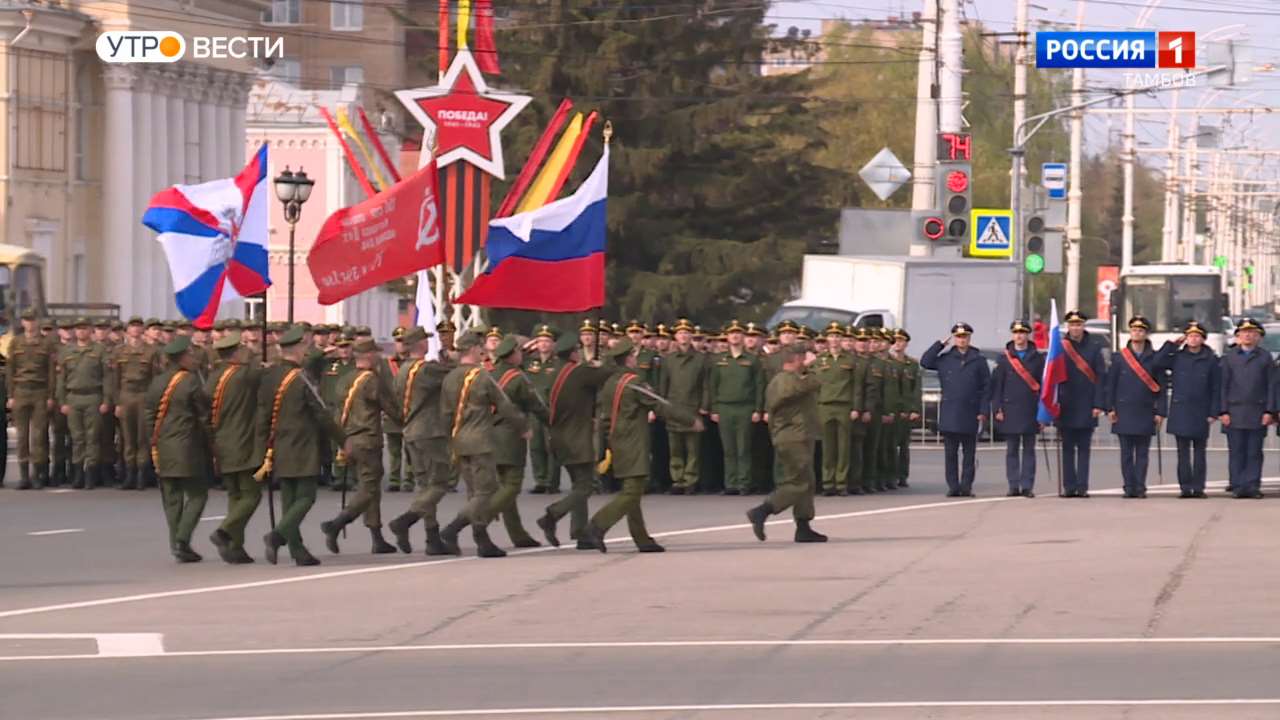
pixel 541 367
pixel 30 380
pixel 84 375
pixel 911 404
pixel 59 336
pixel 134 366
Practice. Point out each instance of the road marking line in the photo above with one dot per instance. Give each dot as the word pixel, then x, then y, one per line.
pixel 61 491
pixel 110 645
pixel 43 533
pixel 740 707
pixel 212 518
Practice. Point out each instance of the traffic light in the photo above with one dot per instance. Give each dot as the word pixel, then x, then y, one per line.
pixel 954 185
pixel 1035 244
pixel 932 228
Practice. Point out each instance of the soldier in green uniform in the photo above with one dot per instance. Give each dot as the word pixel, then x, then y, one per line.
pixel 569 416
pixel 135 365
pixel 472 403
pixel 447 331
pixel 107 455
pixel 426 439
pixel 340 366
pixel 761 465
pixel 787 334
pixel 626 425
pixel 30 380
pixel 910 406
pixel 791 400
pixel 84 374
pixel 177 417
pixel 510 447
pixel 233 388
pixel 892 406
pixel 292 427
pixel 837 401
pixel 589 336
pixel 395 434
pixel 59 335
pixel 736 388
pixel 683 380
pixel 874 386
pixel 366 397
pixel 660 453
pixel 541 368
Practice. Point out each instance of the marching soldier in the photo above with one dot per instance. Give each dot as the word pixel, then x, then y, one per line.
pixel 684 380
pixel 791 401
pixel 395 434
pixel 834 370
pixel 964 376
pixel 541 368
pixel 1248 395
pixel 292 427
pixel 510 447
pixel 912 392
pixel 366 397
pixel 177 420
pixel 627 432
pixel 83 376
pixel 1015 400
pixel 134 366
pixel 446 330
pixel 341 366
pixel 233 389
pixel 1195 378
pixel 30 380
pixel 736 389
pixel 1135 404
pixel 1081 398
pixel 588 339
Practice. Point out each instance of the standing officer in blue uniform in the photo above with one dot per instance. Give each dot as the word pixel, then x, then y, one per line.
pixel 964 376
pixel 1246 396
pixel 1135 401
pixel 1081 401
pixel 1196 379
pixel 1015 398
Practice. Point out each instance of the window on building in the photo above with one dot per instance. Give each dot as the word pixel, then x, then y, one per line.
pixel 283 12
pixel 340 75
pixel 41 101
pixel 88 113
pixel 288 71
pixel 347 15
pixel 79 277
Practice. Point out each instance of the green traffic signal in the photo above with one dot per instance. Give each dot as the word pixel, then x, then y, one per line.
pixel 1034 263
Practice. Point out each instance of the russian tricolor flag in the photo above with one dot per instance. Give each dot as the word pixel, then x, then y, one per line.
pixel 1055 370
pixel 551 258
pixel 215 238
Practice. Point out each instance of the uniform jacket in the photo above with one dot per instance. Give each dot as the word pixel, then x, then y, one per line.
pixel 684 383
pixel 792 403
pixel 472 420
pixel 735 381
pixel 133 366
pixel 85 370
pixel 233 413
pixel 183 440
pixel 390 368
pixel 1247 390
pixel 368 403
pixel 1134 404
pixel 509 445
pixel 420 400
pixel 571 411
pixel 626 423
pixel 32 364
pixel 964 377
pixel 1011 394
pixel 1078 396
pixel 912 389
pixel 304 427
pixel 1196 381
pixel 837 376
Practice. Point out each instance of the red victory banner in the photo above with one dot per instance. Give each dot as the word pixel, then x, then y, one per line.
pixel 390 235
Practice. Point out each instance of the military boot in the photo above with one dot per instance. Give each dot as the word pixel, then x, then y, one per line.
pixel 380 544
pixel 757 515
pixel 806 534
pixel 24 476
pixel 331 528
pixel 42 475
pixel 484 545
pixel 548 524
pixel 593 537
pixel 273 542
pixel 221 540
pixel 130 478
pixel 92 476
pixel 184 554
pixel 435 546
pixel 77 477
pixel 303 557
pixel 61 475
pixel 400 528
pixel 238 556
pixel 449 535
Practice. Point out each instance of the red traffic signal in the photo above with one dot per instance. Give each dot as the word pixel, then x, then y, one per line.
pixel 957 181
pixel 933 228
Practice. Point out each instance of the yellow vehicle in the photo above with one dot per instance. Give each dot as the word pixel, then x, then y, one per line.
pixel 21 287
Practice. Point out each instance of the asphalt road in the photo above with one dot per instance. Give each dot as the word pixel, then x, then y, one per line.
pixel 920 606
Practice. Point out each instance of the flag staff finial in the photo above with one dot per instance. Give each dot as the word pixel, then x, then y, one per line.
pixel 608 131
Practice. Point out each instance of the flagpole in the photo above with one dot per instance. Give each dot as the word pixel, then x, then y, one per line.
pixel 271 498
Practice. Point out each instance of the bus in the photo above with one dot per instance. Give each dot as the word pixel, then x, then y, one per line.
pixel 1169 295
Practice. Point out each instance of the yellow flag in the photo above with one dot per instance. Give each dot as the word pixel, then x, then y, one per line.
pixel 464 22
pixel 344 123
pixel 540 191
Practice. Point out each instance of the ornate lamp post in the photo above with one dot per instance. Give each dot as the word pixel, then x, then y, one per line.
pixel 292 189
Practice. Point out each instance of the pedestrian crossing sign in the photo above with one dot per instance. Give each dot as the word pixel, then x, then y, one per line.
pixel 991 233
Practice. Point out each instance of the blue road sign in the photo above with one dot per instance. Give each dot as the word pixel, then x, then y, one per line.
pixel 1053 176
pixel 991 233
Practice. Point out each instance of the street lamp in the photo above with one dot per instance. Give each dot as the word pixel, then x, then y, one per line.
pixel 292 189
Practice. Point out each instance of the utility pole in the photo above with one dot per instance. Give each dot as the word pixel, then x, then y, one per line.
pixel 1187 239
pixel 1169 231
pixel 924 164
pixel 1075 194
pixel 1018 170
pixel 951 73
pixel 1128 157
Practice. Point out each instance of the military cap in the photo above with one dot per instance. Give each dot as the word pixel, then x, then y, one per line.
pixel 1019 326
pixel 494 331
pixel 398 333
pixel 169 325
pixel 292 336
pixel 349 332
pixel 183 325
pixel 1195 328
pixel 622 348
pixel 1249 324
pixel 1074 316
pixel 178 346
pixel 29 314
pixel 637 325
pixel 805 332
pixel 1138 321
pixel 233 324
pixel 617 329
pixel 363 331
pixel 754 330
pixel 901 334
pixel 772 340
pixel 834 328
pixel 64 323
pixel 48 325
pixel 220 325
pixel 82 322
pixel 506 347
pixel 566 344
pixel 734 326
pixel 683 324
pixel 342 342
pixel 305 326
pixel 153 322
pixel 366 345
pixel 587 326
pixel 414 334
pixel 662 331
pixel 468 340
pixel 230 340
pixel 787 326
pixel 962 328
pixel 698 333
pixel 446 326
pixel 321 329
pixel 544 331
pixel 103 323
pixel 117 325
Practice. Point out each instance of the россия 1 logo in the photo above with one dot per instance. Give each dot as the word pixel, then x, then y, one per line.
pixel 1129 49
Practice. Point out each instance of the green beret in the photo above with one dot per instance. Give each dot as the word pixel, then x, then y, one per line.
pixel 566 344
pixel 292 336
pixel 180 345
pixel 366 345
pixel 506 347
pixel 414 334
pixel 230 340
pixel 623 347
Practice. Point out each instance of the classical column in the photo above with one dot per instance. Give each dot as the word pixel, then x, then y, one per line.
pixel 160 287
pixel 222 131
pixel 209 127
pixel 238 96
pixel 192 79
pixel 116 262
pixel 142 266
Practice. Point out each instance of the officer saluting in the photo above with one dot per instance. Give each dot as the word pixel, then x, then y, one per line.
pixel 1246 395
pixel 1081 400
pixel 1196 378
pixel 1135 403
pixel 1015 399
pixel 964 376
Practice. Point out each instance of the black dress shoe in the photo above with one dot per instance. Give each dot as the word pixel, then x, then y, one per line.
pixel 1013 493
pixel 732 491
pixel 650 547
pixel 1082 494
pixel 1198 494
pixel 331 530
pixel 222 541
pixel 953 493
pixel 239 557
pixel 829 492
pixel 855 491
pixel 903 484
pixel 1028 494
pixel 526 542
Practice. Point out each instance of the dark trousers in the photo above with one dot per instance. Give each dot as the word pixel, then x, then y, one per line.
pixel 1076 444
pixel 1020 461
pixel 1245 463
pixel 1191 463
pixel 1135 452
pixel 960 473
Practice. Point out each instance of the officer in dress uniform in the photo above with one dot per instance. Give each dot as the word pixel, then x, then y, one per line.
pixel 1081 399
pixel 684 382
pixel 1196 380
pixel 736 389
pixel 866 395
pixel 1248 395
pixel 1015 399
pixel 964 376
pixel 1136 405
pixel 836 410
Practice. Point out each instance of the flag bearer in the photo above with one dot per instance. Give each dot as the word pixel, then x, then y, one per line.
pixel 964 375
pixel 1015 400
pixel 1196 380
pixel 1246 400
pixel 1136 405
pixel 1081 398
